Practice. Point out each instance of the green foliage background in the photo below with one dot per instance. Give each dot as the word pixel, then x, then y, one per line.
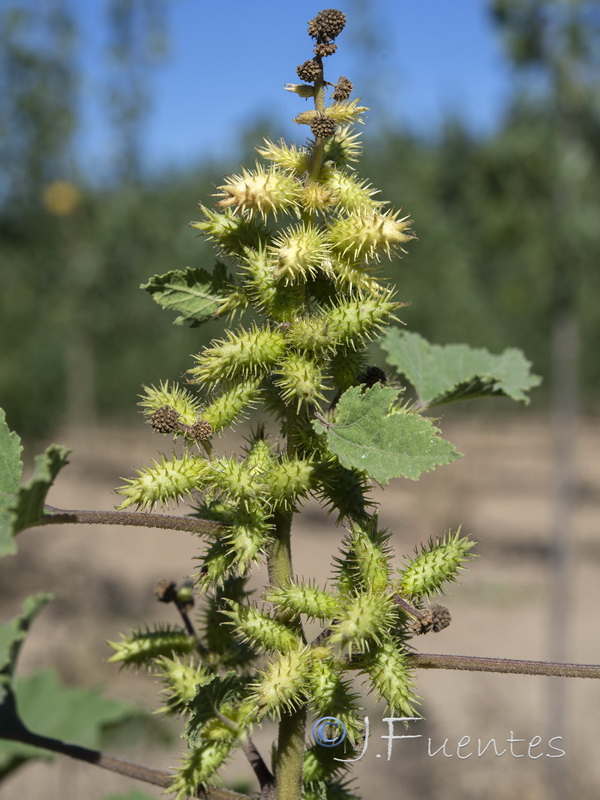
pixel 77 336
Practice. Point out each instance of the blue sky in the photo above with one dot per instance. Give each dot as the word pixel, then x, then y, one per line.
pixel 228 62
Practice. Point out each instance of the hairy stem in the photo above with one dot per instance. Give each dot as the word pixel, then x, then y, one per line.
pixel 503 665
pixel 512 666
pixel 279 559
pixel 408 607
pixel 61 516
pixel 290 755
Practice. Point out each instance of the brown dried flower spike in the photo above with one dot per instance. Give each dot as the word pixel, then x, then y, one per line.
pixel 201 430
pixel 325 49
pixel 165 591
pixel 328 24
pixel 323 127
pixel 165 420
pixel 435 618
pixel 343 89
pixel 309 71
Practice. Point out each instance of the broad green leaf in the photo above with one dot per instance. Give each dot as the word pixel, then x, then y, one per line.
pixel 70 714
pixel 370 435
pixel 195 294
pixel 442 374
pixel 29 506
pixel 11 468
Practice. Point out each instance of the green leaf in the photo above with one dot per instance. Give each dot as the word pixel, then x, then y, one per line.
pixel 70 714
pixel 14 631
pixel 368 434
pixel 195 294
pixel 11 468
pixel 211 693
pixel 28 508
pixel 12 634
pixel 442 374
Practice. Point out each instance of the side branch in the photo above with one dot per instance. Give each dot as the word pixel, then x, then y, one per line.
pixel 130 769
pixel 264 775
pixel 60 516
pixel 506 665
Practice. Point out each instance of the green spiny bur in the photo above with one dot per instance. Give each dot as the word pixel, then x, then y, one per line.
pixel 247 539
pixel 368 555
pixel 365 619
pixel 261 192
pixel 141 647
pixel 332 695
pixel 232 480
pixel 300 380
pixel 232 233
pixel 342 490
pixel 304 599
pixel 197 767
pixel 172 395
pixel 289 480
pixel 223 649
pixel 165 481
pixel 261 630
pixel 180 679
pixel 390 677
pixel 217 563
pixel 243 354
pixel 439 561
pixel 282 686
pixel 225 408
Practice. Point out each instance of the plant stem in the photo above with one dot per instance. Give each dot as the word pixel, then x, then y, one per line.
pixel 60 516
pixel 406 606
pixel 512 666
pixel 122 767
pixel 502 665
pixel 290 755
pixel 187 622
pixel 263 773
pixel 319 149
pixel 279 559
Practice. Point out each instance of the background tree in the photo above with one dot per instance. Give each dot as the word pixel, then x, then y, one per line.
pixel 555 44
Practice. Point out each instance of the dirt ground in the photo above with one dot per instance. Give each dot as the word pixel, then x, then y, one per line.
pixel 501 493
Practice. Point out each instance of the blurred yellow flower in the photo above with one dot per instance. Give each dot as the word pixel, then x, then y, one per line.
pixel 61 198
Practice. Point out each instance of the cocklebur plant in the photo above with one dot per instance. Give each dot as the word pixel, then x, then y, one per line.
pixel 299 240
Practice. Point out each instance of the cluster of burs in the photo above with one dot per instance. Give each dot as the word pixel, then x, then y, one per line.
pixel 299 237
